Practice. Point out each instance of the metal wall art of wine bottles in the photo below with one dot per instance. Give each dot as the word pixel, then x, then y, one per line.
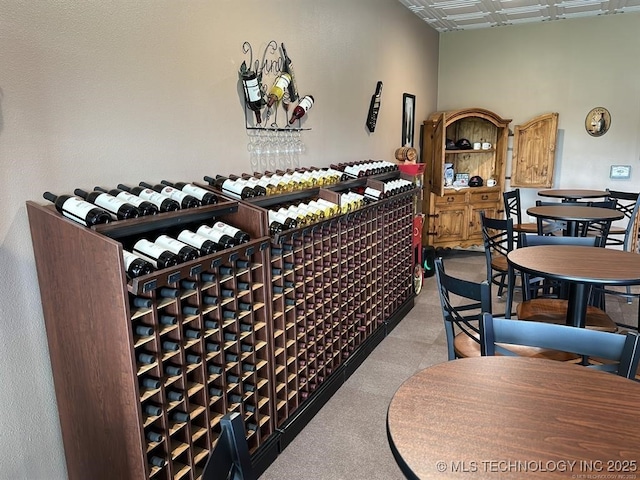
pixel 274 108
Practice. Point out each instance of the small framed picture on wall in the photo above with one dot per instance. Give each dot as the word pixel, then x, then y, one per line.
pixel 408 119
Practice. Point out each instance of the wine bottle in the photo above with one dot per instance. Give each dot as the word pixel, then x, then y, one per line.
pixel 243 286
pixel 188 284
pixel 154 436
pixel 250 408
pixel 288 68
pixel 152 410
pixel 209 300
pixel 193 359
pixel 76 209
pixel 252 91
pixel 192 334
pixel 208 277
pixel 231 378
pixel 212 347
pixel 262 188
pixel 230 357
pixel 163 202
pixel 225 270
pixel 156 255
pixel 179 416
pixel 232 188
pixel 204 196
pixel 215 369
pixel 248 367
pixel 135 265
pixel 172 370
pixel 119 209
pixel 276 224
pixel 235 398
pixel 230 337
pixel 146 358
pixel 157 461
pixel 217 235
pixel 144 207
pixel 150 383
pixel 304 105
pixel 166 292
pixel 202 243
pixel 170 346
pixel 280 84
pixel 215 392
pixel 210 324
pixel 144 330
pixel 184 252
pixel 188 310
pixel 238 235
pixel 168 320
pixel 248 387
pixel 141 302
pixel 246 348
pixel 174 396
pixel 184 199
pixel 246 307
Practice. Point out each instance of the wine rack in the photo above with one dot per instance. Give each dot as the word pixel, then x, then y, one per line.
pixel 145 368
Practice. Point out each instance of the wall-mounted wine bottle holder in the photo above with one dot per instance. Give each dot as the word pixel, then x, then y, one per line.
pixel 275 143
pixel 259 328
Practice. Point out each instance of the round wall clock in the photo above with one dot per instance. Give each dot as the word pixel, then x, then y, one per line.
pixel 597 122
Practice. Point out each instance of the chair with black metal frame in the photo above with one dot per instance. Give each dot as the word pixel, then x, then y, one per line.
pixel 546 300
pixel 513 209
pixel 229 458
pixel 625 203
pixel 611 352
pixel 600 228
pixel 463 303
pixel 584 228
pixel 631 244
pixel 498 238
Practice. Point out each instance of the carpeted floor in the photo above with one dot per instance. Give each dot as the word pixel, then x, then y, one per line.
pixel 347 439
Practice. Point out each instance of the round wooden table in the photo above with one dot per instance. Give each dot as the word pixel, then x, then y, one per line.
pixel 574 214
pixel 581 267
pixel 572 195
pixel 514 417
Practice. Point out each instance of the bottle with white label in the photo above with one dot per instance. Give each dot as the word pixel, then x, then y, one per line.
pixel 184 252
pixel 238 235
pixel 164 203
pixel 156 255
pixel 231 188
pixel 204 196
pixel 76 209
pixel 144 207
pixel 202 243
pixel 217 235
pixel 184 199
pixel 121 210
pixel 135 265
pixel 304 105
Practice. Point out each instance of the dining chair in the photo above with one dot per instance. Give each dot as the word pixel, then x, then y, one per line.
pixel 631 244
pixel 546 300
pixel 513 209
pixel 463 303
pixel 229 458
pixel 594 228
pixel 601 228
pixel 498 238
pixel 606 351
pixel 625 203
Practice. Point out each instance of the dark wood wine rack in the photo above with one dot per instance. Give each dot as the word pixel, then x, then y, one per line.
pixel 294 316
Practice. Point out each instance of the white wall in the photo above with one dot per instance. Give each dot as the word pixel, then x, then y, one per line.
pixel 123 91
pixel 566 66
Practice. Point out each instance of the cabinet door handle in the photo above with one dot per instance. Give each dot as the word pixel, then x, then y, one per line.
pixel 450 199
pixel 485 197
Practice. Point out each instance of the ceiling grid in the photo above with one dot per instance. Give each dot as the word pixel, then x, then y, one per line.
pixel 452 15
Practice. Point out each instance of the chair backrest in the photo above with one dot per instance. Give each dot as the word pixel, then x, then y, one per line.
pixel 600 228
pixel 463 302
pixel 632 234
pixel 498 238
pixel 625 201
pixel 229 459
pixel 512 205
pixel 535 287
pixel 623 350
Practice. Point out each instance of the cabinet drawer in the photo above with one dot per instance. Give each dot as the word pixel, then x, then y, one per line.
pixel 456 198
pixel 484 196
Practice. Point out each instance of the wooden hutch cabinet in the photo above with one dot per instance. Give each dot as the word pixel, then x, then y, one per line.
pixel 452 212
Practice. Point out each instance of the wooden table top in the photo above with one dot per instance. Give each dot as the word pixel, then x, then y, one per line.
pixel 575 213
pixel 579 264
pixel 573 194
pixel 514 417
